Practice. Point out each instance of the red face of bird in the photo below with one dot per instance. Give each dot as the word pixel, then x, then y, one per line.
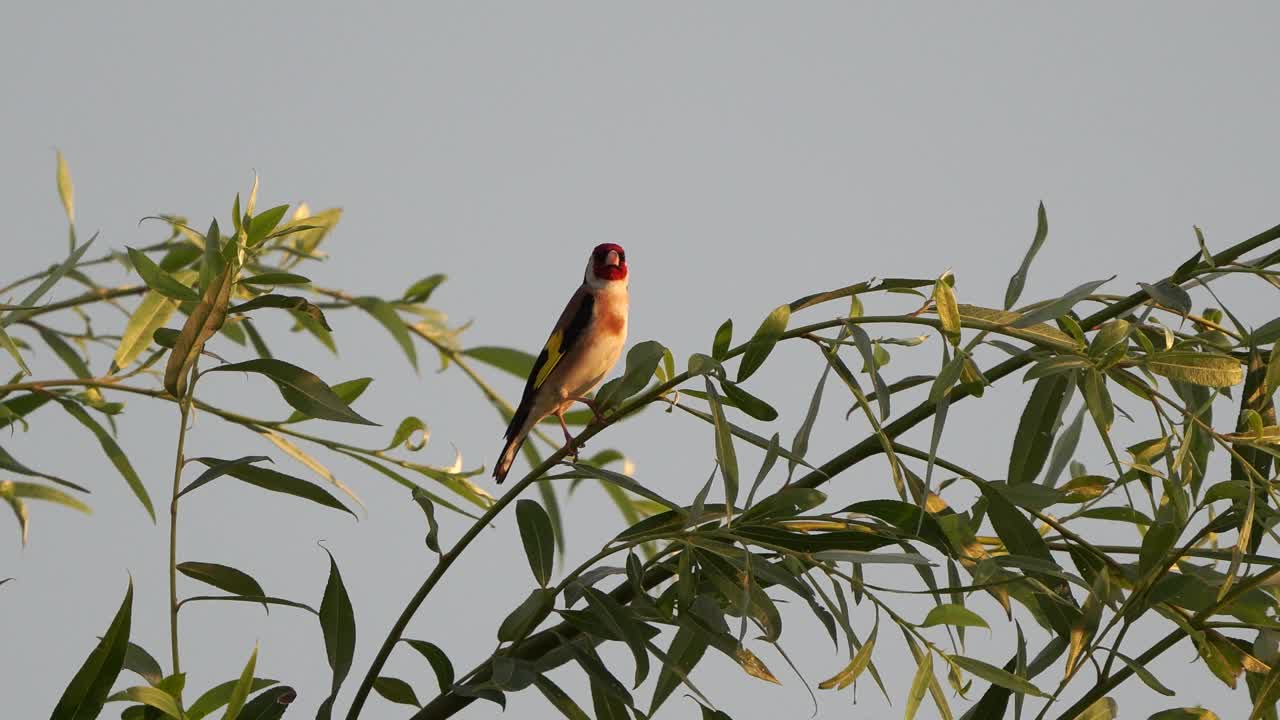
pixel 608 264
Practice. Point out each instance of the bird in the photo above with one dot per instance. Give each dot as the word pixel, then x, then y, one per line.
pixel 583 347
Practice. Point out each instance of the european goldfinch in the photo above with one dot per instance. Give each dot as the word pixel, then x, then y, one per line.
pixel 582 349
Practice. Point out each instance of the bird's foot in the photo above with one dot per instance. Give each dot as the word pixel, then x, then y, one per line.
pixel 597 414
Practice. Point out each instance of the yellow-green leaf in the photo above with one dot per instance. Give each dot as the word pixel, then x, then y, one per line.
pixel 1197 368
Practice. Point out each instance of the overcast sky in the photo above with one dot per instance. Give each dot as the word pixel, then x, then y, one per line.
pixel 744 154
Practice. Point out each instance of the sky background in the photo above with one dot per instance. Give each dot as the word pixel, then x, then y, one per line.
pixel 744 154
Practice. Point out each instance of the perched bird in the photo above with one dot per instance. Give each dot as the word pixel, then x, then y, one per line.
pixel 582 349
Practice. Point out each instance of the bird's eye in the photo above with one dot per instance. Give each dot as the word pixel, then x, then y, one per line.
pixel 622 257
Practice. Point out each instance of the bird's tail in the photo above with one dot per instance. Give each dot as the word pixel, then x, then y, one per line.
pixel 517 431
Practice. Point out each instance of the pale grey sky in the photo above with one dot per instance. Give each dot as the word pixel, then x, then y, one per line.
pixel 743 153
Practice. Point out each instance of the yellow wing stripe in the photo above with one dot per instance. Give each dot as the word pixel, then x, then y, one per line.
pixel 554 353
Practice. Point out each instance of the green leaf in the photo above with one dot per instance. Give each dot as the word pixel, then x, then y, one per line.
pixel 10 463
pixel 263 223
pixel 1019 279
pixel 1110 341
pixel 622 481
pixel 240 691
pixel 761 344
pixel 295 303
pixel 159 280
pixel 276 278
pixel 405 432
pixel 1268 332
pixel 1271 383
pixel 220 468
pixel 222 577
pixel 1063 449
pixel 642 360
pixel 1015 530
pixel 516 362
pixel 1169 295
pixel 871 366
pixel 532 611
pixel 1098 399
pixel 872 558
pixel 725 454
pixel 1156 545
pixel 625 625
pixel 538 539
pixel 603 683
pixel 951 614
pixel 1060 306
pixel 8 344
pixel 1197 368
pixel 1196 713
pixel 50 279
pixel 440 663
pixel 270 704
pixel 395 690
pixel 113 451
pixel 770 458
pixel 1146 676
pixel 1116 514
pixel 723 339
pixel 421 291
pixel 219 695
pixel 139 661
pixel 748 403
pixel 85 695
pixel 421 497
pixel 338 624
pixel 684 653
pixel 301 389
pixel 165 337
pixel 65 352
pixel 348 391
pixel 559 699
pixel 273 481
pixel 1037 426
pixel 386 314
pixel 156 698
pixel 263 599
pixel 996 676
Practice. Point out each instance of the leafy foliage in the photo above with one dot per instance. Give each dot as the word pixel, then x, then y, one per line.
pixel 695 575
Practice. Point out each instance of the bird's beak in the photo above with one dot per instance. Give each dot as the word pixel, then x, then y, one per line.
pixel 612 259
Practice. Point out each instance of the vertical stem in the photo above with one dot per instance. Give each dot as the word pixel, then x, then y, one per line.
pixel 184 409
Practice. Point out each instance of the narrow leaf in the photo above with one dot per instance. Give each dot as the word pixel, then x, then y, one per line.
pixel 761 344
pixel 725 453
pixel 113 451
pixel 85 695
pixel 386 314
pixel 244 686
pixel 1060 306
pixel 1019 279
pixel 159 280
pixel 538 539
pixel 301 389
pixel 338 624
